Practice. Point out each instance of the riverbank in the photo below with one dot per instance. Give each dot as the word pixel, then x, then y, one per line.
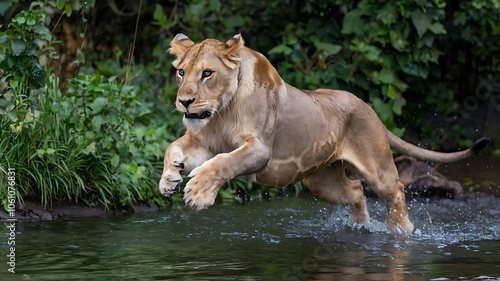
pixel 33 210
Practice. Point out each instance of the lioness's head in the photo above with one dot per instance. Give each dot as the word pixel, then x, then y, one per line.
pixel 207 76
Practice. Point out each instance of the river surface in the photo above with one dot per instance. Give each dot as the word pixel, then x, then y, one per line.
pixel 295 238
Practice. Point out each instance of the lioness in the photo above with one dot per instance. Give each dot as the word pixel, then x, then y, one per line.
pixel 242 119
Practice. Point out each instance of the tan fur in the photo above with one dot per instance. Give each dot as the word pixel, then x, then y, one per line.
pixel 272 133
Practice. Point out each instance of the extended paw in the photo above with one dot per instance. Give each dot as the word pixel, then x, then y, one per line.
pixel 200 193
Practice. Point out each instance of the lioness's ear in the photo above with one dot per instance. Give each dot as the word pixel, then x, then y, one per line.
pixel 179 45
pixel 233 46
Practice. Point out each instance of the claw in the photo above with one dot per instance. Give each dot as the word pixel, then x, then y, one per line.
pixel 177 188
pixel 169 192
pixel 178 165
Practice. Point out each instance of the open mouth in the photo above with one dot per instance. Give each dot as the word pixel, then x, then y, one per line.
pixel 203 115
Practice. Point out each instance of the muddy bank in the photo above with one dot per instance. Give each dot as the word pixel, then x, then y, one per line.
pixel 33 210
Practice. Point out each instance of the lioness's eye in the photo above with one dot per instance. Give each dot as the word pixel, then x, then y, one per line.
pixel 180 72
pixel 206 73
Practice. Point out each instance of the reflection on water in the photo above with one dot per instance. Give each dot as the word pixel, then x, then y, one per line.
pixel 289 239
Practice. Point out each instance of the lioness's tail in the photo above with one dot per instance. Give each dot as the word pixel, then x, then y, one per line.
pixel 433 156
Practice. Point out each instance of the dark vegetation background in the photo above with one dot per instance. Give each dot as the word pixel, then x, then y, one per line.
pixel 87 88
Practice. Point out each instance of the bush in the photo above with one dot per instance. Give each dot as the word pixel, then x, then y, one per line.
pixel 94 143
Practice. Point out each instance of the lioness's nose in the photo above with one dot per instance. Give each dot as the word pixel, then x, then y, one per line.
pixel 186 103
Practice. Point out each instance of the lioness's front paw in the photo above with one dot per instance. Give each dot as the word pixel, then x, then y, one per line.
pixel 171 179
pixel 200 192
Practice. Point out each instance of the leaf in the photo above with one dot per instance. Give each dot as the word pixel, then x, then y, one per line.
pixel 18 46
pixel 133 167
pixel 68 9
pixel 352 23
pixel 3 38
pixel 96 123
pixel 140 131
pixel 60 4
pixel 460 18
pixel 4 7
pixel 370 52
pixel 160 17
pixel 437 28
pixel 384 110
pixel 77 6
pixel 98 104
pixel 387 16
pixel 426 55
pixel 115 160
pixel 439 4
pixel 386 76
pixel 37 77
pixel 90 149
pixel 20 18
pixel 281 49
pixel 416 70
pixel 392 92
pixel 397 41
pixel 397 107
pixel 329 49
pixel 43 31
pixel 40 152
pixel 32 19
pixel 297 56
pixel 13 83
pixel 421 21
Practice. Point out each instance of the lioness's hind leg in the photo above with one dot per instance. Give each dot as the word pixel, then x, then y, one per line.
pixel 393 192
pixel 381 176
pixel 332 185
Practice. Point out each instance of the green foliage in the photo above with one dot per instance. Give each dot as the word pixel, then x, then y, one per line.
pixel 374 54
pixel 113 125
pixel 95 143
pixel 44 154
pixel 21 62
pixel 82 146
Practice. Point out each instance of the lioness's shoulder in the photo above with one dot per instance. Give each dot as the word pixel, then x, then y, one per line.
pixel 263 71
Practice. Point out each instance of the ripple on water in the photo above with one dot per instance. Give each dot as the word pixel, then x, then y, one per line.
pixel 299 237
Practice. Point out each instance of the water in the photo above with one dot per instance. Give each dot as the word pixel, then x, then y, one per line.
pixel 289 239
pixel 479 173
